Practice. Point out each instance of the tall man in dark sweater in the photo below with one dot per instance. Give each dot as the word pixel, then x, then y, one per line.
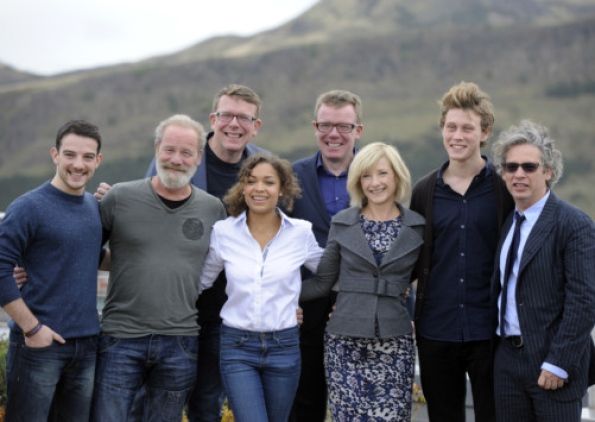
pixel 234 123
pixel 55 232
pixel 464 203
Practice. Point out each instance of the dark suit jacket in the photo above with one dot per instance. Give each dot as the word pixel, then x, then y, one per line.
pixel 555 293
pixel 311 205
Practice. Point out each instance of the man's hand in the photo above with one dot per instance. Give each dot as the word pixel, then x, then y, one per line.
pixel 549 381
pixel 20 276
pixel 43 338
pixel 102 189
pixel 299 313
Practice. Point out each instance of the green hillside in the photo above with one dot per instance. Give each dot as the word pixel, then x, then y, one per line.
pixel 535 57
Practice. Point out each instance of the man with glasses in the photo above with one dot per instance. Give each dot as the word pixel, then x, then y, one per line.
pixel 234 124
pixel 464 203
pixel 543 286
pixel 323 178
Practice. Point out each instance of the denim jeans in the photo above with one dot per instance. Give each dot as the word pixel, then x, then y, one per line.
pixel 260 372
pixel 164 365
pixel 207 397
pixel 59 376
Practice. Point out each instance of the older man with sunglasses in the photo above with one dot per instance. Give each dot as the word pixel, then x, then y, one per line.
pixel 543 287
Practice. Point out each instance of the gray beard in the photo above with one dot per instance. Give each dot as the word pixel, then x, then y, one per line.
pixel 174 180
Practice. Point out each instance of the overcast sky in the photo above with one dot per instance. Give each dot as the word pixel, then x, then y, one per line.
pixel 52 36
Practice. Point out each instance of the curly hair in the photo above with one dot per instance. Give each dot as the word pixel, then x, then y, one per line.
pixel 290 188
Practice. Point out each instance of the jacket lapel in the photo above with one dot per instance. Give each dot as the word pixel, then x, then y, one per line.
pixel 541 230
pixel 350 235
pixel 407 240
pixel 311 189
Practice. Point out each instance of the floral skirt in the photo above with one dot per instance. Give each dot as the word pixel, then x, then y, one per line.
pixel 369 379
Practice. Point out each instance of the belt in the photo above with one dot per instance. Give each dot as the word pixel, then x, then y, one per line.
pixel 514 341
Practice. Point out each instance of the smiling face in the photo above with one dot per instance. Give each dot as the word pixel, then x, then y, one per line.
pixel 262 189
pixel 336 147
pixel 526 188
pixel 229 139
pixel 379 183
pixel 462 135
pixel 177 156
pixel 76 162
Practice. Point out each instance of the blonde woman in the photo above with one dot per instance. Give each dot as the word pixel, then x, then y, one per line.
pixel 369 258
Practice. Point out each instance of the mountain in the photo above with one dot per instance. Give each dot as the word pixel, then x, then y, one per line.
pixel 10 75
pixel 535 57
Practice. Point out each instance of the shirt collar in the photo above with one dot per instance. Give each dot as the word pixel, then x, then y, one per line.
pixel 320 166
pixel 486 171
pixel 534 211
pixel 242 219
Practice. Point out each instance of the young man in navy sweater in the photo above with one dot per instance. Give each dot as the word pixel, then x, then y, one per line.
pixel 54 231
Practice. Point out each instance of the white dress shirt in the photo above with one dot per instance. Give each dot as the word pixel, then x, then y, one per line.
pixel 263 285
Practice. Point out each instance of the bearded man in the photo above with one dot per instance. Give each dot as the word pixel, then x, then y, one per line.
pixel 159 230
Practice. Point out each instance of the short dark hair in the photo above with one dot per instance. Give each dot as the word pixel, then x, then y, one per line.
pixel 241 92
pixel 339 98
pixel 80 128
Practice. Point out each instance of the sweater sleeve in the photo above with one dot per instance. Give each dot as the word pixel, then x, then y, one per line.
pixel 16 229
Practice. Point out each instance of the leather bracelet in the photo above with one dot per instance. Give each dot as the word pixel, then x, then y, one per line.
pixel 34 330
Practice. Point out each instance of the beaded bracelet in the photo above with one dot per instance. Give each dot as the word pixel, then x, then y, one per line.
pixel 34 330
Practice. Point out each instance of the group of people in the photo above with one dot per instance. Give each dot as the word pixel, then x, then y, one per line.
pixel 219 254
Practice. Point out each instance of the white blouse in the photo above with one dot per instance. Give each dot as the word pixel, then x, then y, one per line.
pixel 263 285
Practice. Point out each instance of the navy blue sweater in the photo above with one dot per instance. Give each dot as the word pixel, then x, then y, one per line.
pixel 57 238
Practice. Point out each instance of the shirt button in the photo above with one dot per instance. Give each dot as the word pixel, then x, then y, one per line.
pixel 461 306
pixel 464 201
pixel 462 253
pixel 462 280
pixel 463 226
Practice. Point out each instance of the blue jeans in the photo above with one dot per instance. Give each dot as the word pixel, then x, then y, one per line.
pixel 260 372
pixel 207 397
pixel 164 365
pixel 59 377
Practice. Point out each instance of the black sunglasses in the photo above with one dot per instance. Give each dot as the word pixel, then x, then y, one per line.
pixel 513 167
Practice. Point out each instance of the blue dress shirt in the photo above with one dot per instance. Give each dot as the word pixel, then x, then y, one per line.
pixel 332 188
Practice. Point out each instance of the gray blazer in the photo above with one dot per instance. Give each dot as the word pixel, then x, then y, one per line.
pixel 370 301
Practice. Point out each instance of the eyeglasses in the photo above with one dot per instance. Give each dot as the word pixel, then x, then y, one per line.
pixel 226 117
pixel 513 167
pixel 326 127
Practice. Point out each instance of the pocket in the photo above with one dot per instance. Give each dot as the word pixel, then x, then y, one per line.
pixel 189 346
pixel 37 349
pixel 106 342
pixel 233 338
pixel 288 340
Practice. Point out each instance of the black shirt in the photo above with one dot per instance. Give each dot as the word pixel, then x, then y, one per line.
pixel 465 235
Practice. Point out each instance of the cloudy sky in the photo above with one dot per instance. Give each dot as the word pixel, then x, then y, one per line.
pixel 53 36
